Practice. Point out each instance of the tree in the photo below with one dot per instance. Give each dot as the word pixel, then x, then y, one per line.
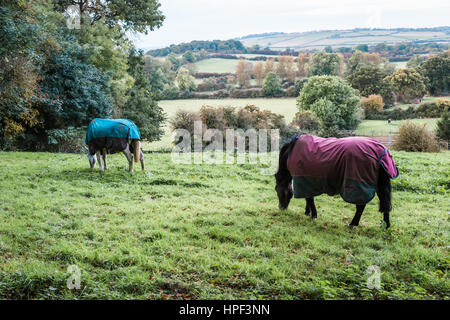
pixel 243 73
pixel 372 104
pixel 408 83
pixel 369 80
pixel 443 126
pixel 258 72
pixel 332 100
pixel 302 61
pixel 437 71
pixel 415 61
pixel 272 85
pixel 270 66
pixel 185 81
pixel 362 47
pixel 323 63
pixel 141 106
pixel 133 15
pixel 359 59
pixel 189 57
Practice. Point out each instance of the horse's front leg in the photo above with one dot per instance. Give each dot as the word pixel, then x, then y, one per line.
pixel 104 158
pixel 357 217
pixel 312 207
pixel 307 209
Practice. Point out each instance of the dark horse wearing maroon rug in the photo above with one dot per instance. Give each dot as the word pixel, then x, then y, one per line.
pixel 355 168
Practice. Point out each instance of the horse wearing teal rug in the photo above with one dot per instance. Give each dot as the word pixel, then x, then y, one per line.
pixel 107 136
pixel 356 168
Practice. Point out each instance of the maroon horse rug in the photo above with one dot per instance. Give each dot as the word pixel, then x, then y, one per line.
pixel 346 166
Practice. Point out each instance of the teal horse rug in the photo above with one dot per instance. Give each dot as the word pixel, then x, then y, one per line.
pixel 108 128
pixel 347 166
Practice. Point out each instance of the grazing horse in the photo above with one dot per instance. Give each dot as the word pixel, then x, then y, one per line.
pixel 105 136
pixel 354 167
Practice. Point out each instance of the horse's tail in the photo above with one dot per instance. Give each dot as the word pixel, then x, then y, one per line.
pixel 137 150
pixel 384 189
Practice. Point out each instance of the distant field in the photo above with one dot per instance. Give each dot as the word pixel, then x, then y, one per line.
pixel 217 65
pixel 343 38
pixel 382 127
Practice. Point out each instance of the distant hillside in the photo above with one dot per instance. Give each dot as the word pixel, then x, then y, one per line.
pixel 345 38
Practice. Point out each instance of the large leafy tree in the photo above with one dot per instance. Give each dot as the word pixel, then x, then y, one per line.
pixel 130 15
pixel 323 63
pixel 437 71
pixel 408 83
pixel 141 106
pixel 23 46
pixel 332 100
pixel 368 80
pixel 72 92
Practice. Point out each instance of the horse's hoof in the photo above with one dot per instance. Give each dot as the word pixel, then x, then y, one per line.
pixel 314 218
pixel 351 226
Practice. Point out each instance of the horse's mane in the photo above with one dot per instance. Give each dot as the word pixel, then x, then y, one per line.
pixel 283 172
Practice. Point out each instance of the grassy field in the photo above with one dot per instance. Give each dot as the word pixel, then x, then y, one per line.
pixel 212 232
pixel 382 127
pixel 218 65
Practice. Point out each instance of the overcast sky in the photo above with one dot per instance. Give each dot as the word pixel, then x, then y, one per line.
pixel 188 20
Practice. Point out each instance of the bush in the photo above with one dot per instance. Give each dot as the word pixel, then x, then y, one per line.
pixel 70 140
pixel 372 104
pixel 306 120
pixel 272 85
pixel 443 126
pixel 227 117
pixel 184 119
pixel 415 138
pixel 212 117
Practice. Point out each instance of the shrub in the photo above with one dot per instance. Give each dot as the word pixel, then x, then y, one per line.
pixel 212 117
pixel 70 140
pixel 306 120
pixel 184 119
pixel 443 126
pixel 372 104
pixel 271 85
pixel 415 138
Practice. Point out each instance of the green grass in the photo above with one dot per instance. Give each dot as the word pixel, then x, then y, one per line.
pixel 382 127
pixel 212 232
pixel 218 65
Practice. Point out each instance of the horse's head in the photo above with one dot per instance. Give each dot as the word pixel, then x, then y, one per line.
pixel 91 157
pixel 284 192
pixel 283 177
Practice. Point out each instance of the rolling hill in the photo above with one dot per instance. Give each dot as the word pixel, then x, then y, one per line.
pixel 345 38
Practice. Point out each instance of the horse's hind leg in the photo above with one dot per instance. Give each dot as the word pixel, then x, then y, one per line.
pixel 310 204
pixel 141 159
pixel 357 217
pixel 99 160
pixel 129 156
